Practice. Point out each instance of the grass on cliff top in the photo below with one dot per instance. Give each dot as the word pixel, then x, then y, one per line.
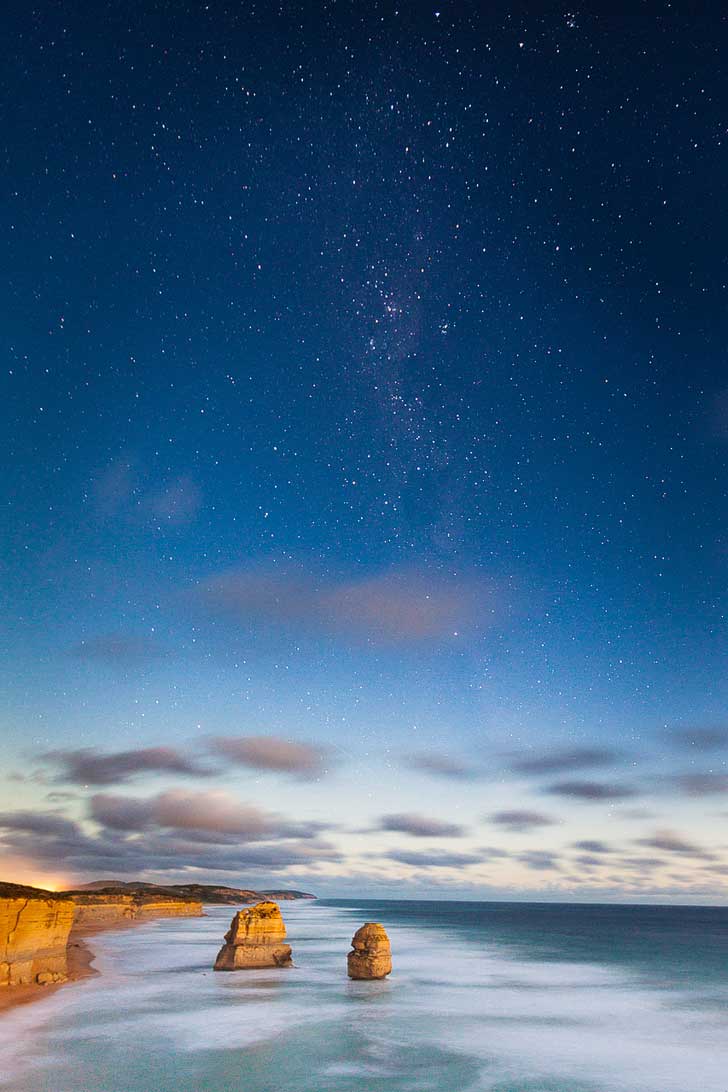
pixel 20 891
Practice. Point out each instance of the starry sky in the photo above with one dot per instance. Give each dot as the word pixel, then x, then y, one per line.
pixel 365 435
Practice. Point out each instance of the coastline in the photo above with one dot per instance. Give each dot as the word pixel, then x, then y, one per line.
pixel 50 950
pixel 80 959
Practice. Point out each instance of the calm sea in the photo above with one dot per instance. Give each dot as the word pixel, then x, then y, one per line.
pixel 503 997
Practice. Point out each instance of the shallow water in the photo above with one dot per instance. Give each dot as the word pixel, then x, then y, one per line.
pixel 491 997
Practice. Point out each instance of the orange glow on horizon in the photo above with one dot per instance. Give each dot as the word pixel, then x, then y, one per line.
pixel 15 870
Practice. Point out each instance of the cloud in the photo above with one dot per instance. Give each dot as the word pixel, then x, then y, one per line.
pixel 271 753
pixel 199 813
pixel 88 766
pixel 393 607
pixel 591 790
pixel 700 739
pixel 421 826
pixel 123 491
pixel 521 819
pixel 177 503
pixel 32 822
pixel 538 859
pixel 592 846
pixel 563 761
pixel 168 834
pixel 434 860
pixel 440 765
pixel 124 649
pixel 670 842
pixel 113 489
pixel 703 784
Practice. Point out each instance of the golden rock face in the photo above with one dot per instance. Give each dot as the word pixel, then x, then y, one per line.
pixel 372 953
pixel 33 939
pixel 104 911
pixel 255 939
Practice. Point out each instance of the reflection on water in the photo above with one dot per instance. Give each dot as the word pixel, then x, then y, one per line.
pixel 476 1002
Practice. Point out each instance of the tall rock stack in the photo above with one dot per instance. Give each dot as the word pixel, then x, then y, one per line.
pixel 372 954
pixel 255 939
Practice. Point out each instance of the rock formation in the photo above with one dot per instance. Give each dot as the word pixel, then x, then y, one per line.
pixel 99 910
pixel 372 954
pixel 34 928
pixel 255 939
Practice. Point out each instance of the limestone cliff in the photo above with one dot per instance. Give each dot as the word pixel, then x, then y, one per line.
pixel 372 955
pixel 255 939
pixel 34 929
pixel 102 911
pixel 35 926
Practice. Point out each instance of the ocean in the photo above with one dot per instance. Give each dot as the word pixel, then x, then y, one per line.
pixel 484 997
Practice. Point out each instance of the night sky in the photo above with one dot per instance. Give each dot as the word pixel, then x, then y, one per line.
pixel 365 436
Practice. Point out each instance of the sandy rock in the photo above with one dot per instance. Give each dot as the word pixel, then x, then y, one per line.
pixel 33 938
pixel 102 911
pixel 255 939
pixel 372 954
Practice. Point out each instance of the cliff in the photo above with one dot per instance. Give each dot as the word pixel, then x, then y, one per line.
pixel 104 910
pixel 34 930
pixel 37 927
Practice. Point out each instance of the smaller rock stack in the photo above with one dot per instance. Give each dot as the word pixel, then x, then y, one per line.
pixel 372 954
pixel 255 939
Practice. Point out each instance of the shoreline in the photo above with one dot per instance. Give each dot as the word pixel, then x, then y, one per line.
pixel 79 958
pixel 79 962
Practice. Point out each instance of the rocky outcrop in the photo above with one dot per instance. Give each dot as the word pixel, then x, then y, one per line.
pixel 34 929
pixel 35 926
pixel 255 939
pixel 372 954
pixel 95 910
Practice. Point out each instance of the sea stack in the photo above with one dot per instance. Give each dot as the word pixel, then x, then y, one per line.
pixel 255 939
pixel 372 954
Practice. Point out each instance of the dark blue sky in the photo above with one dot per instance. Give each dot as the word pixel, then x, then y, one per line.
pixel 365 389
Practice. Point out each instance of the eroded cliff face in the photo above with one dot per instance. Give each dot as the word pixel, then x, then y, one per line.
pixel 35 926
pixel 371 955
pixel 255 939
pixel 94 911
pixel 34 933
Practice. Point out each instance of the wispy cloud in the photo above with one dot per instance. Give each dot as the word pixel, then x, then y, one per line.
pixel 441 765
pixel 124 490
pixel 88 766
pixel 215 812
pixel 591 790
pixel 521 819
pixel 539 859
pixel 257 842
pixel 563 761
pixel 670 842
pixel 272 753
pixel 176 503
pixel 391 607
pixel 433 860
pixel 421 826
pixel 703 784
pixel 713 738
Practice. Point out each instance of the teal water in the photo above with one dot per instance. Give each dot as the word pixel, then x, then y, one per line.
pixel 484 996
